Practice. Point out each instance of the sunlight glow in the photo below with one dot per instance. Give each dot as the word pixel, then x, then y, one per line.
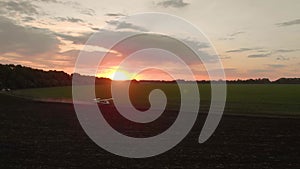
pixel 119 75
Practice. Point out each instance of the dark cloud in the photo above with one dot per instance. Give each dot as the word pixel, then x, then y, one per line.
pixel 126 25
pixel 50 1
pixel 67 3
pixel 229 69
pixel 259 55
pixel 107 37
pixel 282 58
pixel 236 33
pixel 68 19
pixel 225 57
pixel 81 39
pixel 28 19
pixel 81 9
pixel 115 14
pixel 286 50
pixel 232 36
pixel 19 7
pixel 28 10
pixel 262 50
pixel 95 29
pixel 72 53
pixel 25 40
pixel 75 5
pixel 289 23
pixel 227 38
pixel 259 70
pixel 276 65
pixel 130 45
pixel 217 71
pixel 240 50
pixel 172 3
pixel 142 41
pixel 195 43
pixel 87 11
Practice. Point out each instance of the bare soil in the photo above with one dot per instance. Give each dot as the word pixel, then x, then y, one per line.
pixel 48 135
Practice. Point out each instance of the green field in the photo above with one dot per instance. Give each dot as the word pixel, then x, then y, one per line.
pixel 270 99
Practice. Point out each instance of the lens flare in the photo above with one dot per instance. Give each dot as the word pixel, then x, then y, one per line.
pixel 119 75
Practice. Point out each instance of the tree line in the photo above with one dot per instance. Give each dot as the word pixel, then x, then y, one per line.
pixel 20 77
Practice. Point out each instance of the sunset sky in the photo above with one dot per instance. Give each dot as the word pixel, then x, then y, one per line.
pixel 253 38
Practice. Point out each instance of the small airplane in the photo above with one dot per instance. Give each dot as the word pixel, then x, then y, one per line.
pixel 103 101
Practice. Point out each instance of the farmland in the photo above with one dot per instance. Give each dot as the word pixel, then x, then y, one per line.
pixel 48 135
pixel 249 99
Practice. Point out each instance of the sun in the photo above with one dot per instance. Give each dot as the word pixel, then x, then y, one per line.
pixel 115 73
pixel 119 75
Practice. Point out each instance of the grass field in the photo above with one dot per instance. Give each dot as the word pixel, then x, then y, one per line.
pixel 271 99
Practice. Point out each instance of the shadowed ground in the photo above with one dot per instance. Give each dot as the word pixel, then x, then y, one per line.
pixel 48 135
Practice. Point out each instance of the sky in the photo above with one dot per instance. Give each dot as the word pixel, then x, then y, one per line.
pixel 253 38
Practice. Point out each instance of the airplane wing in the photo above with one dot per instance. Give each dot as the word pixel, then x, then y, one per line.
pixel 108 99
pixel 102 101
